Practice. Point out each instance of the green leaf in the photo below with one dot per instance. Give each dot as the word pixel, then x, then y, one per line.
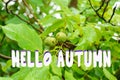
pixel 77 69
pixel 90 35
pixel 48 20
pixel 26 37
pixel 15 20
pixel 38 74
pixel 19 75
pixel 32 74
pixel 64 6
pixel 55 78
pixel 56 70
pixel 99 72
pixel 81 78
pixel 55 26
pixel 36 2
pixel 7 66
pixel 109 75
pixel 83 65
pixel 82 45
pixel 63 2
pixel 5 78
pixel 69 76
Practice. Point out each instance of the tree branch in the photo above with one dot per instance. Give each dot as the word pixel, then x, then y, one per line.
pixel 6 6
pixel 73 3
pixel 10 11
pixel 105 8
pixel 102 17
pixel 4 57
pixel 114 9
pixel 25 21
pixel 103 1
pixel 97 12
pixel 25 3
pixel 2 39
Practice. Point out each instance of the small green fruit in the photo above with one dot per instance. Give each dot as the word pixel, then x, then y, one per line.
pixel 50 41
pixel 61 36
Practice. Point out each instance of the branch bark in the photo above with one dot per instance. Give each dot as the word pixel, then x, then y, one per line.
pixel 25 21
pixel 103 1
pixel 97 12
pixel 4 57
pixel 105 8
pixel 11 12
pixel 112 14
pixel 73 3
pixel 25 3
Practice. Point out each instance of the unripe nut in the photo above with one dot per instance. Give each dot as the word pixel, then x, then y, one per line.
pixel 50 41
pixel 61 36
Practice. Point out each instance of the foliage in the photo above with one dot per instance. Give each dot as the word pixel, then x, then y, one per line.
pixel 25 24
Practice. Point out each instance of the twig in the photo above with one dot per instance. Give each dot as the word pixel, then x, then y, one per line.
pixel 114 9
pixel 105 8
pixel 2 39
pixel 6 6
pixel 103 1
pixel 4 57
pixel 25 21
pixel 102 17
pixel 10 11
pixel 97 12
pixel 25 3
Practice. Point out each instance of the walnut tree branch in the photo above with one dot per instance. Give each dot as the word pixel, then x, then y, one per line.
pixel 102 16
pixel 25 3
pixel 2 40
pixel 114 9
pixel 25 21
pixel 4 57
pixel 105 8
pixel 103 1
pixel 11 12
pixel 97 12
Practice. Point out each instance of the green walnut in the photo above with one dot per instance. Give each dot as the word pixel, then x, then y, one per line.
pixel 61 36
pixel 50 41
